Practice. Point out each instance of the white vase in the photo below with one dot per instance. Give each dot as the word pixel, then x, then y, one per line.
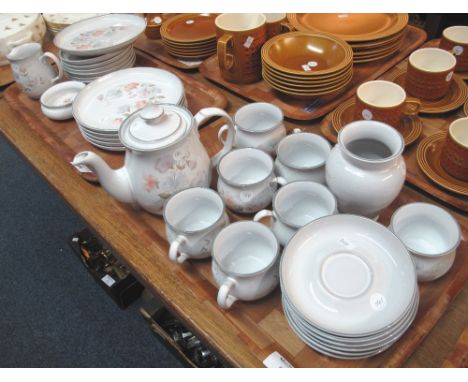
pixel 366 170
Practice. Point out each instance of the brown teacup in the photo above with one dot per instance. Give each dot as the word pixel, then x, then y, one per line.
pixel 454 156
pixel 240 39
pixel 276 23
pixel 430 72
pixel 384 101
pixel 455 40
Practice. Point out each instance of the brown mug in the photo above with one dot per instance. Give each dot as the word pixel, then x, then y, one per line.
pixel 430 72
pixel 384 101
pixel 276 23
pixel 240 39
pixel 455 40
pixel 454 156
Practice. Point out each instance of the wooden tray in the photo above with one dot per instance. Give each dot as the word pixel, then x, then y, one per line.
pixel 431 124
pixel 257 327
pixel 199 95
pixel 6 76
pixel 318 107
pixel 155 48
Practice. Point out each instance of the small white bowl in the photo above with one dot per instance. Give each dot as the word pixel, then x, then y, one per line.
pixel 56 102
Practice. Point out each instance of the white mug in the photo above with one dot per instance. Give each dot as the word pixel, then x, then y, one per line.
pixel 193 218
pixel 258 125
pixel 302 156
pixel 431 236
pixel 33 74
pixel 246 180
pixel 297 204
pixel 245 262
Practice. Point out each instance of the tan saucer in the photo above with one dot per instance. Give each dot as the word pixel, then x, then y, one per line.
pixel 465 109
pixel 456 97
pixel 428 157
pixel 462 75
pixel 410 127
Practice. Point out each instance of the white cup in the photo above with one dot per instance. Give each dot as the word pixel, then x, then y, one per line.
pixel 246 180
pixel 295 205
pixel 245 262
pixel 258 125
pixel 193 219
pixel 302 156
pixel 431 236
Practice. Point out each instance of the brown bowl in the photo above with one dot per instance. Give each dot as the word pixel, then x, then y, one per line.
pixel 289 52
pixel 454 156
pixel 190 27
pixel 351 27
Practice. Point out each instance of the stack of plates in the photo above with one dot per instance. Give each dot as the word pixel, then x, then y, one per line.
pixel 304 64
pixel 190 36
pixel 58 21
pixel 98 46
pixel 348 286
pixel 373 36
pixel 102 106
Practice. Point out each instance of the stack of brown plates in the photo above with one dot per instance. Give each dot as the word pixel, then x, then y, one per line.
pixel 304 64
pixel 373 36
pixel 190 36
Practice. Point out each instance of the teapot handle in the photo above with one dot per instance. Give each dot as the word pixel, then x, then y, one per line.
pixel 209 112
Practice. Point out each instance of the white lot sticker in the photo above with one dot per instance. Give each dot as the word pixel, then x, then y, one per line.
pixel 276 360
pixel 189 22
pixel 157 20
pixel 109 281
pixel 312 64
pixel 248 42
pixel 306 68
pixel 366 114
pixel 457 50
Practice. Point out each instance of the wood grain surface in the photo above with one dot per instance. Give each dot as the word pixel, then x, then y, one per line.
pixel 318 107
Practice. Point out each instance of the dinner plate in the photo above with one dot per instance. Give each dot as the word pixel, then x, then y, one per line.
pixel 190 27
pixel 351 27
pixel 128 63
pixel 106 102
pixel 104 68
pixel 102 64
pixel 100 35
pixel 80 61
pixel 348 275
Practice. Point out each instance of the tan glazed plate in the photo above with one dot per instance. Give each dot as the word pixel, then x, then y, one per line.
pixel 465 108
pixel 190 27
pixel 457 96
pixel 428 157
pixel 351 27
pixel 410 128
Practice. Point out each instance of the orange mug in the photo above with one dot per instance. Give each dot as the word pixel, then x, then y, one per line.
pixel 455 40
pixel 384 101
pixel 454 156
pixel 240 39
pixel 276 23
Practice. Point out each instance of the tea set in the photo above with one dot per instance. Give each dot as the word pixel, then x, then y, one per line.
pixel 348 284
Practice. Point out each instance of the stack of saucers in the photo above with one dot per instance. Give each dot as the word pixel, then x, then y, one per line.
pixel 190 36
pixel 373 36
pixel 304 65
pixel 348 286
pixel 57 21
pixel 94 47
pixel 102 106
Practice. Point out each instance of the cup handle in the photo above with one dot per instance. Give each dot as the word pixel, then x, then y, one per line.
pixel 22 40
pixel 264 214
pixel 209 112
pixel 225 59
pixel 279 180
pixel 54 58
pixel 221 131
pixel 286 27
pixel 412 106
pixel 225 300
pixel 174 250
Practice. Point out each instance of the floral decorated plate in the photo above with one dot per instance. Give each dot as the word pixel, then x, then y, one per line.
pixel 100 35
pixel 106 102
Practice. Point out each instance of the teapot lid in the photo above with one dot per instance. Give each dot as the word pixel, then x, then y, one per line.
pixel 155 126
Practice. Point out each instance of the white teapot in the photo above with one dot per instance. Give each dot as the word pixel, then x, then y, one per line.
pixel 164 155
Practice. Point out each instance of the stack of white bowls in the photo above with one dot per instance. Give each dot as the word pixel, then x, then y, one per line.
pixel 102 106
pixel 97 46
pixel 348 286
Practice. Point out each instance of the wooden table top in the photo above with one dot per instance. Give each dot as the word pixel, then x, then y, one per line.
pixel 440 347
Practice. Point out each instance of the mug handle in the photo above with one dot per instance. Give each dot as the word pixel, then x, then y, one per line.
pixel 22 40
pixel 225 59
pixel 54 58
pixel 225 300
pixel 221 131
pixel 279 180
pixel 209 112
pixel 286 27
pixel 412 106
pixel 174 250
pixel 264 214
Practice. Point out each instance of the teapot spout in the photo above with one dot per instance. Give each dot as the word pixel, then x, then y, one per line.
pixel 115 182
